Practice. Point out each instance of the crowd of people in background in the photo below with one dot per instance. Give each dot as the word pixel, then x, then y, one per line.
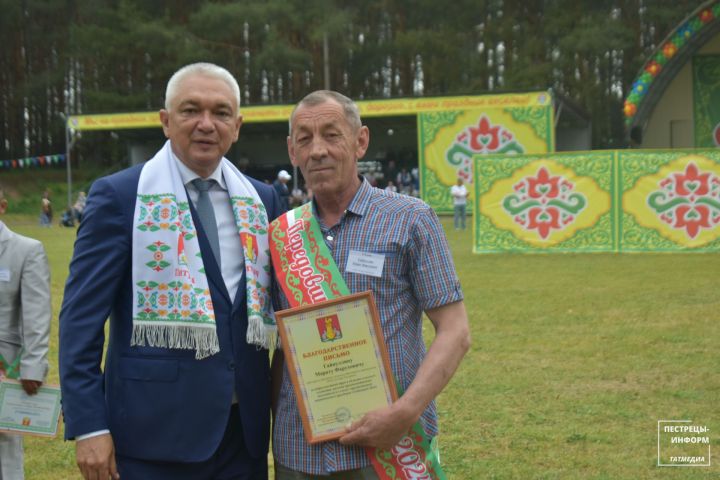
pixel 405 181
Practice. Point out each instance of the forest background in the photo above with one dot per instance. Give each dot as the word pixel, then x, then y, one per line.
pixel 70 57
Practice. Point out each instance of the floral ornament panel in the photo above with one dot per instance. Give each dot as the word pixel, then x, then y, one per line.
pixel 250 215
pixel 480 138
pixel 681 201
pixel 159 250
pixel 173 301
pixel 544 203
pixel 160 212
pixel 448 145
pixel 706 100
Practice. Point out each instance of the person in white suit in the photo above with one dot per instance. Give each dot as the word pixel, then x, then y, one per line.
pixel 24 326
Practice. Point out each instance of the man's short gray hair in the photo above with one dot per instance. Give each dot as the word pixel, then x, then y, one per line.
pixel 318 97
pixel 201 68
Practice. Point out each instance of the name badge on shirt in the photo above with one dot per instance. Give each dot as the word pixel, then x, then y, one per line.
pixel 365 263
pixel 4 275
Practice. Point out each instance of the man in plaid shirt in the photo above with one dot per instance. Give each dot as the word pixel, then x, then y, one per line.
pixel 412 272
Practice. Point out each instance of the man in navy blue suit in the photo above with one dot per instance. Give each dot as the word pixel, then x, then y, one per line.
pixel 174 252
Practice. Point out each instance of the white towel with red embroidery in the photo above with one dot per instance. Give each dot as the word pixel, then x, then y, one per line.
pixel 172 306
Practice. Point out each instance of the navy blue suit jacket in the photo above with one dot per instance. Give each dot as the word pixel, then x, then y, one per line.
pixel 158 403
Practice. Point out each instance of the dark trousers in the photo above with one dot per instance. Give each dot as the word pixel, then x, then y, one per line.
pixel 231 461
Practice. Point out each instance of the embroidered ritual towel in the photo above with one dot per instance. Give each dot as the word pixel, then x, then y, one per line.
pixel 173 308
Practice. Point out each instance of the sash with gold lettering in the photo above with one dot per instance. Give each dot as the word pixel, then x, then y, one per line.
pixel 307 274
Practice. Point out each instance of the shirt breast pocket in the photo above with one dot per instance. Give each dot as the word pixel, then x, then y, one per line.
pixel 392 266
pixel 373 269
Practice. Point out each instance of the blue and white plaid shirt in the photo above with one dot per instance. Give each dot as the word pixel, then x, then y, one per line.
pixel 418 274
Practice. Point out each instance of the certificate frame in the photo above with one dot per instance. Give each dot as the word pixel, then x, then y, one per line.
pixel 35 415
pixel 338 379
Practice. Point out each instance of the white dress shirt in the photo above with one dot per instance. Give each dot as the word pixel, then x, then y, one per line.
pixel 231 252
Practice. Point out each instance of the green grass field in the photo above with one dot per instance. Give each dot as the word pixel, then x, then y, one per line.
pixel 575 358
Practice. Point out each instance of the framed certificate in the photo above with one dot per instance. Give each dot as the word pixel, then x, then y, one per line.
pixel 21 413
pixel 338 361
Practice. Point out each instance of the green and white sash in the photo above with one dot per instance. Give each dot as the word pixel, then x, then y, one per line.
pixel 308 274
pixel 173 308
pixel 11 370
